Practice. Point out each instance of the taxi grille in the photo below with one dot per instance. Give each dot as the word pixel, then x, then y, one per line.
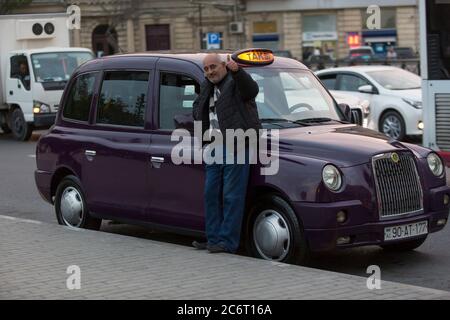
pixel 398 185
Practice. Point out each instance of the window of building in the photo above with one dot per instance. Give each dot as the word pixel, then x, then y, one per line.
pixel 79 100
pixel 177 93
pixel 123 98
pixel 265 35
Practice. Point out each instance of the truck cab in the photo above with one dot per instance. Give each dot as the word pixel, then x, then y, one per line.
pixel 36 61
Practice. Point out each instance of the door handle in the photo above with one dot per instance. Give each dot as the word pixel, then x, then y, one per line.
pixel 90 153
pixel 158 159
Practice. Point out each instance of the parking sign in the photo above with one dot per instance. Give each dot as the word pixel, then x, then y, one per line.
pixel 213 40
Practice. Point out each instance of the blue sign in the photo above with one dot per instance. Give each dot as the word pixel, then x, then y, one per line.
pixel 213 40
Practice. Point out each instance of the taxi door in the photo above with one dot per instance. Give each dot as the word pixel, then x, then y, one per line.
pixel 176 190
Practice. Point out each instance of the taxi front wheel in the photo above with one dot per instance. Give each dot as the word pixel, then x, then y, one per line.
pixel 274 233
pixel 404 245
pixel 70 205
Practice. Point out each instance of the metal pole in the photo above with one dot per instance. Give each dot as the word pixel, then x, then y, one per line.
pixel 200 23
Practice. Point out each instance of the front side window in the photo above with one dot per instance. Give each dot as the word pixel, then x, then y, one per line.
pixel 397 79
pixel 20 70
pixel 348 82
pixel 123 98
pixel 292 94
pixel 329 81
pixel 177 93
pixel 79 99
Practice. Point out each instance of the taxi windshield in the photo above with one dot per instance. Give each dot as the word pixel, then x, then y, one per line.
pixel 292 95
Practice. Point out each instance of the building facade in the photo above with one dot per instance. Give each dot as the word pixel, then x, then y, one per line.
pixel 302 27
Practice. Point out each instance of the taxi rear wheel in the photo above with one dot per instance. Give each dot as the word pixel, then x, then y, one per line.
pixel 70 205
pixel 274 233
pixel 404 245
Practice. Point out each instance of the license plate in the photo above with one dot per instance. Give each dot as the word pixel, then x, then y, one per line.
pixel 406 231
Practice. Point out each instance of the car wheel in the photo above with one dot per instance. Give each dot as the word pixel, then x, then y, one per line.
pixel 393 125
pixel 70 205
pixel 20 128
pixel 274 233
pixel 404 245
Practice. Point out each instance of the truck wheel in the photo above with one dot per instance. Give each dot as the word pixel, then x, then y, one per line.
pixel 20 128
pixel 70 205
pixel 404 245
pixel 274 233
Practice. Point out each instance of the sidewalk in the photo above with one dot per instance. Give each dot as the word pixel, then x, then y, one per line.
pixel 35 257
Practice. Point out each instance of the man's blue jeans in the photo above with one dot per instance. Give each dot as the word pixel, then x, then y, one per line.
pixel 225 193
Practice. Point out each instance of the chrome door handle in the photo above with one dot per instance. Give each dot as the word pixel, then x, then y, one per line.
pixel 90 153
pixel 158 159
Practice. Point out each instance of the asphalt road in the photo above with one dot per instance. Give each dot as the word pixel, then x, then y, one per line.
pixel 427 266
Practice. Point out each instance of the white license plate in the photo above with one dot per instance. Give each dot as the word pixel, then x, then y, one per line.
pixel 406 231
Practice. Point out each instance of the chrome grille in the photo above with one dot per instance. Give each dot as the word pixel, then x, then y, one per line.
pixel 357 116
pixel 442 121
pixel 398 184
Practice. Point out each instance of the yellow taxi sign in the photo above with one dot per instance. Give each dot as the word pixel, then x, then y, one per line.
pixel 254 56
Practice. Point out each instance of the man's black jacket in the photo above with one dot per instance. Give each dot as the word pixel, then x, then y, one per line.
pixel 236 106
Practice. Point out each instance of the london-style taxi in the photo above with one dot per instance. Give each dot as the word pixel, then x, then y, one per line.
pixel 339 185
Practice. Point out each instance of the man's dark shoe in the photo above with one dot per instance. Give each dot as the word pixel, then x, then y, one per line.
pixel 217 248
pixel 200 245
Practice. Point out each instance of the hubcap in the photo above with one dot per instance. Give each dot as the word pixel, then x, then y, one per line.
pixel 392 127
pixel 271 235
pixel 18 124
pixel 71 207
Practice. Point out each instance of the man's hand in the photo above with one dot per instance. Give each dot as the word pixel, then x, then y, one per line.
pixel 231 64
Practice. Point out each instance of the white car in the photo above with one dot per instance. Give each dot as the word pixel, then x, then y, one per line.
pixel 394 95
pixel 354 103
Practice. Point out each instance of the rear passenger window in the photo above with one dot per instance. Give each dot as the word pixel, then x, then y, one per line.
pixel 123 98
pixel 176 95
pixel 80 96
pixel 329 81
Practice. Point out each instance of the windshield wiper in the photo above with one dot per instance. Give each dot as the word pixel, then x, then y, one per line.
pixel 275 120
pixel 318 120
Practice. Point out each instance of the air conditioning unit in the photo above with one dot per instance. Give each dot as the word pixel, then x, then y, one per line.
pixel 35 29
pixel 236 27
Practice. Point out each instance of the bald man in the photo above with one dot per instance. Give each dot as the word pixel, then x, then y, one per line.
pixel 226 101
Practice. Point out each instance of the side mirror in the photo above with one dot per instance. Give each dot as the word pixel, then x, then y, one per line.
pixel 346 110
pixel 366 89
pixel 184 121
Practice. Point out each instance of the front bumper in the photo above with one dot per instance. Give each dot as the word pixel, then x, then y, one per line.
pixel 322 230
pixel 44 120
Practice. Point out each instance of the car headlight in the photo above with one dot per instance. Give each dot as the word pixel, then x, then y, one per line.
pixel 332 177
pixel 40 107
pixel 412 103
pixel 435 164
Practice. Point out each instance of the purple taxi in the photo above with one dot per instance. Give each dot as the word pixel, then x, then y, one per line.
pixel 108 156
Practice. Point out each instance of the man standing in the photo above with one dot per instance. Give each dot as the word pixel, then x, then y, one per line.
pixel 226 101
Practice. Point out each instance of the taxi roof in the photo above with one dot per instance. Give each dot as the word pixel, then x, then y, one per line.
pixel 194 57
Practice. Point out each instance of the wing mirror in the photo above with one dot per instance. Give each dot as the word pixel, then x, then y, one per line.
pixel 346 110
pixel 366 89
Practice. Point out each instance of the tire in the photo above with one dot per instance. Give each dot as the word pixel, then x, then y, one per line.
pixel 71 207
pixel 20 128
pixel 393 125
pixel 404 245
pixel 274 233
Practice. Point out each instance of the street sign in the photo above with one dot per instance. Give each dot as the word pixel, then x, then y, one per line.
pixel 213 40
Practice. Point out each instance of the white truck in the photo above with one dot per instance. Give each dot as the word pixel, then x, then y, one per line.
pixel 36 61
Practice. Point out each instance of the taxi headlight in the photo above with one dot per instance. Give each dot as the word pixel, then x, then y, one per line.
pixel 435 164
pixel 332 177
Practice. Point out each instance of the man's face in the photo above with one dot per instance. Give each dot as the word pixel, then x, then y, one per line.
pixel 23 68
pixel 215 69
